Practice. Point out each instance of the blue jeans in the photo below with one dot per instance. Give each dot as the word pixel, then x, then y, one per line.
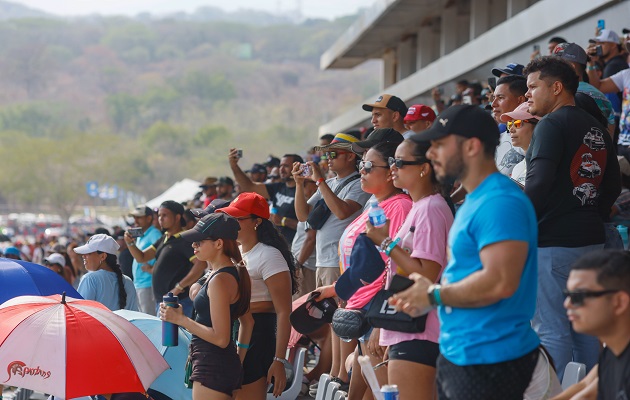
pixel 186 304
pixel 613 238
pixel 550 319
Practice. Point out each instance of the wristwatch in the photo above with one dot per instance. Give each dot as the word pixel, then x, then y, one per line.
pixel 433 293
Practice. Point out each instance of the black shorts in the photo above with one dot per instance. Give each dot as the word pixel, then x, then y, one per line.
pixel 417 351
pixel 262 348
pixel 216 368
pixel 501 381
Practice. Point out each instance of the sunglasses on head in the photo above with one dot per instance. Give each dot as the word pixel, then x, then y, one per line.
pixel 334 154
pixel 368 165
pixel 517 123
pixel 401 163
pixel 577 298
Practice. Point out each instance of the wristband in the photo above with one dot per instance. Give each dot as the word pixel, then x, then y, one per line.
pixel 434 295
pixel 282 360
pixel 131 244
pixel 282 222
pixel 386 242
pixel 243 345
pixel 391 247
pixel 178 286
pixel 319 181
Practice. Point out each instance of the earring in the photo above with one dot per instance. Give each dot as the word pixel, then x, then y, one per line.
pixel 421 174
pixel 256 227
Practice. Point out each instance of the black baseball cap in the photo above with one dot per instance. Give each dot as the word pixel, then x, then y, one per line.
pixel 212 207
pixel 366 265
pixel 462 120
pixel 225 180
pixel 257 169
pixel 312 315
pixel 213 226
pixel 380 135
pixel 174 206
pixel 510 69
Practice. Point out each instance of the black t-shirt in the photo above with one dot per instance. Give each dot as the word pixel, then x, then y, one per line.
pixel 614 65
pixel 283 199
pixel 173 261
pixel 614 375
pixel 572 178
pixel 125 259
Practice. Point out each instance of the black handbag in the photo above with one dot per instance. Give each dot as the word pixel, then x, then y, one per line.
pixel 383 315
pixel 320 212
pixel 349 324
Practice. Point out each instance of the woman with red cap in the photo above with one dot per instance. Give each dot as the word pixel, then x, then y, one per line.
pixel 271 268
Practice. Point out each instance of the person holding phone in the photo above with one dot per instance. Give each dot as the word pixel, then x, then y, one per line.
pixel 224 297
pixel 418 246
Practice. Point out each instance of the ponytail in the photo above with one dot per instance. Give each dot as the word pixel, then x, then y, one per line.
pixel 112 262
pixel 230 249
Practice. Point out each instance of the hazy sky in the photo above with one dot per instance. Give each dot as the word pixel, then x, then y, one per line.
pixel 310 8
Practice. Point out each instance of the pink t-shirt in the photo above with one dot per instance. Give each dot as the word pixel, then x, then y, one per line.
pixel 396 209
pixel 431 218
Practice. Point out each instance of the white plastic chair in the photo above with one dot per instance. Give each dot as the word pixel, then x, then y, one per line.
pixel 573 373
pixel 333 388
pixel 293 391
pixel 322 386
pixel 341 395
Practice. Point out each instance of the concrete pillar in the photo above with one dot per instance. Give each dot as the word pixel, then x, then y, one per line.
pixel 498 12
pixel 516 6
pixel 479 17
pixel 448 31
pixel 406 52
pixel 389 68
pixel 427 46
pixel 463 29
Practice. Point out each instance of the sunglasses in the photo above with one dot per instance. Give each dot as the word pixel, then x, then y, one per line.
pixel 198 244
pixel 517 123
pixel 368 165
pixel 401 163
pixel 577 298
pixel 334 154
pixel 244 218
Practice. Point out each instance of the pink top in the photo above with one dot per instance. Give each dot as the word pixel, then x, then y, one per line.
pixel 396 209
pixel 432 219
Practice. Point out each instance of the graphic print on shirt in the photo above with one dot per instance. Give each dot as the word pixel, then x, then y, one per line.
pixel 587 167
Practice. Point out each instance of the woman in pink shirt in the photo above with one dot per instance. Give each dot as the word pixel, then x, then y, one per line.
pixel 421 248
pixel 377 180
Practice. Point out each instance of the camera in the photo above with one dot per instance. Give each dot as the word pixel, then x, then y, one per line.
pixel 135 232
pixel 599 52
pixel 239 153
pixel 306 170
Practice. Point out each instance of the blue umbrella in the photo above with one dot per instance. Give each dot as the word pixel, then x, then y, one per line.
pixel 21 278
pixel 171 382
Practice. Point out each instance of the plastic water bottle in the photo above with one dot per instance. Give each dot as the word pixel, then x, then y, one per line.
pixel 169 330
pixel 390 392
pixel 376 214
pixel 623 231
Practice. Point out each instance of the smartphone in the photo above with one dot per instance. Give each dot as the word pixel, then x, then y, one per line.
pixel 306 169
pixel 239 153
pixel 536 48
pixel 599 52
pixel 601 25
pixel 399 283
pixel 492 82
pixel 135 232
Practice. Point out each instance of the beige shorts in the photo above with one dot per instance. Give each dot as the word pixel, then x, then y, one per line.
pixel 326 275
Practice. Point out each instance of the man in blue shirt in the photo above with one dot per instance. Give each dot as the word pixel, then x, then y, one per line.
pixel 487 294
pixel 143 218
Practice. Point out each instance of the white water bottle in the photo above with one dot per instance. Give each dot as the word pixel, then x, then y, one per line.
pixel 376 214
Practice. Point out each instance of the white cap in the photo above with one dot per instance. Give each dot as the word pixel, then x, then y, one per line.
pixel 56 258
pixel 606 35
pixel 99 242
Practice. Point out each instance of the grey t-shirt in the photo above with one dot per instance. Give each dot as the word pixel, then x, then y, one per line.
pixel 296 246
pixel 327 246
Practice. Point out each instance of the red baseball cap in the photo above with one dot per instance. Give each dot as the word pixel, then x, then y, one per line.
pixel 247 203
pixel 419 112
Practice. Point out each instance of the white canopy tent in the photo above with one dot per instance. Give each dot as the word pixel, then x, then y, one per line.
pixel 181 191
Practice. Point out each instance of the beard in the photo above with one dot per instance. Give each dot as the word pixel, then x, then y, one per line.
pixel 453 170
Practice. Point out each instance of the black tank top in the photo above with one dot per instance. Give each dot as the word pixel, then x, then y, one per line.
pixel 202 301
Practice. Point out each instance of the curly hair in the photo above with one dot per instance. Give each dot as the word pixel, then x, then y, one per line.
pixel 554 68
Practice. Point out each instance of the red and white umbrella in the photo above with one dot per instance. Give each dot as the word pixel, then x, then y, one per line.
pixel 71 348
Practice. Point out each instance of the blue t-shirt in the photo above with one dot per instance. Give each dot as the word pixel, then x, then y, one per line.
pixel 143 279
pixel 497 210
pixel 102 286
